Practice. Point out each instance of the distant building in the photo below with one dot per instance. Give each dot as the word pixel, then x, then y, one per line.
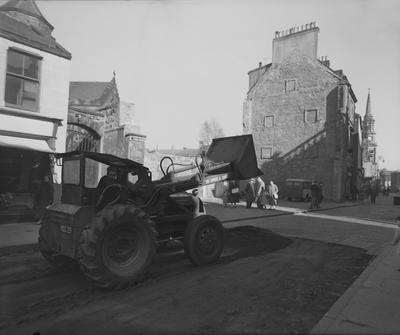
pixel 34 79
pixel 385 177
pixel 98 121
pixel 302 116
pixel 369 144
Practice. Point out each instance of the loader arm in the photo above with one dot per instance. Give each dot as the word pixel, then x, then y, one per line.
pixel 228 158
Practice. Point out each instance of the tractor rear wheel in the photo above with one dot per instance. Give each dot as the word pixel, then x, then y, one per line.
pixel 52 256
pixel 118 246
pixel 204 240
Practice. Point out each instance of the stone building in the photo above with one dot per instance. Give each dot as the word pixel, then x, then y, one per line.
pixel 34 79
pixel 98 121
pixel 302 116
pixel 369 144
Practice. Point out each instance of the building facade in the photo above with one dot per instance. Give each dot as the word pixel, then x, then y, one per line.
pixel 34 80
pixel 369 144
pixel 302 116
pixel 98 121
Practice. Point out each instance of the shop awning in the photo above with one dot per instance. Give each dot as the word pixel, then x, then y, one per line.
pixel 24 143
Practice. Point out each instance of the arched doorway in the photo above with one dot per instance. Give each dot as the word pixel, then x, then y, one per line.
pixel 81 137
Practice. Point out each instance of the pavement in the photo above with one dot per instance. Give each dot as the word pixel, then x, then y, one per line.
pixel 371 305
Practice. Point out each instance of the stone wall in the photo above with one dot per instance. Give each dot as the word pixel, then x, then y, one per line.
pixel 135 147
pixel 114 142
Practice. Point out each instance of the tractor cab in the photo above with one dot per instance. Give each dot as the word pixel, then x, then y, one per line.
pixel 82 172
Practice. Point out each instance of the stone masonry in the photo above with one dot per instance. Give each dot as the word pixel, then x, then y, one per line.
pixel 302 117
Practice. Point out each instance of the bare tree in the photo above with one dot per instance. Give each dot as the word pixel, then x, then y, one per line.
pixel 209 130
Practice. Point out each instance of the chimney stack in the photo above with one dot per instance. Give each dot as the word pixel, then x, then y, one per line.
pixel 304 38
pixel 324 60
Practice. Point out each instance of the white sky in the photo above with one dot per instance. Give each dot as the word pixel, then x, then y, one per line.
pixel 184 62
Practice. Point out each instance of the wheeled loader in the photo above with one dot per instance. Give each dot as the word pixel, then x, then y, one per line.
pixel 113 236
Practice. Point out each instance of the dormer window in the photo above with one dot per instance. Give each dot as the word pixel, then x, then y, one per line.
pixel 22 80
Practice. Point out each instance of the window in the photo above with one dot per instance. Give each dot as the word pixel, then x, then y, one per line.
pixel 269 121
pixel 93 172
pixel 266 152
pixel 22 80
pixel 311 115
pixel 71 171
pixel 290 85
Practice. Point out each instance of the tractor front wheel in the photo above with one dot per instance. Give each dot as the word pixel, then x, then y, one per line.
pixel 204 240
pixel 118 246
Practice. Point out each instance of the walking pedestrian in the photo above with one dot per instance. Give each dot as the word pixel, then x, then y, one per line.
pixel 260 193
pixel 249 193
pixel 41 183
pixel 272 193
pixel 373 192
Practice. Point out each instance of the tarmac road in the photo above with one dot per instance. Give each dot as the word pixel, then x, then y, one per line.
pixel 242 293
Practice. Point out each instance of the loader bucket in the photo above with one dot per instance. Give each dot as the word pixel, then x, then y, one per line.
pixel 239 152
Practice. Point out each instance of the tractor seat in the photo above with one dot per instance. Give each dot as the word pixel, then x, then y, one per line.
pixel 110 195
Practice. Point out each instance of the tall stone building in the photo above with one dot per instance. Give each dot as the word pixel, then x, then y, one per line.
pixel 302 116
pixel 98 121
pixel 369 144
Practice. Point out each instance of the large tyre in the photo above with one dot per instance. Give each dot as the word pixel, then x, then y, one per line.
pixel 52 256
pixel 204 240
pixel 118 246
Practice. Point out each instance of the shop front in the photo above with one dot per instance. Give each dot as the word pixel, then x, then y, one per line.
pixel 26 179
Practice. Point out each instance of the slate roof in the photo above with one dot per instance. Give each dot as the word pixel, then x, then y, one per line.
pixel 263 68
pixel 14 28
pixel 91 93
pixel 27 7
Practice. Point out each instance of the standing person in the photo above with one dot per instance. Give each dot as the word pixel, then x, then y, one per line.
pixel 373 192
pixel 272 194
pixel 260 193
pixel 41 186
pixel 314 195
pixel 225 194
pixel 234 192
pixel 249 193
pixel 319 196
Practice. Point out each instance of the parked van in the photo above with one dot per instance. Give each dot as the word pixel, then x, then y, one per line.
pixel 298 189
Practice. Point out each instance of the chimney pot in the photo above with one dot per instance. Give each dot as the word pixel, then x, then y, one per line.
pixel 259 64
